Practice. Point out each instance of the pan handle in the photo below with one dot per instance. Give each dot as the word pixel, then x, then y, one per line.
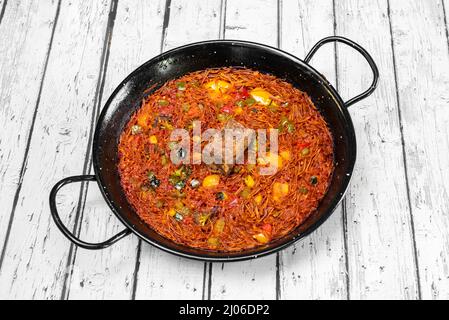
pixel 69 235
pixel 362 51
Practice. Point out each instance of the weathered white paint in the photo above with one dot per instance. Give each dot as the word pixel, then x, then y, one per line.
pixel 315 268
pixel 256 279
pixel 379 229
pixel 36 254
pixel 192 21
pixel 380 239
pixel 422 64
pixel 25 33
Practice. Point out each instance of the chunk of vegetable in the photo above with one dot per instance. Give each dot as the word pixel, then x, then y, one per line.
pixel 238 110
pixel 172 144
pixel 223 117
pixel 180 185
pixel 178 216
pixel 261 96
pixel 213 242
pixel 181 85
pixel 153 181
pixel 218 85
pixel 271 159
pixel 194 183
pixel 258 199
pixel 227 108
pixel 185 107
pixel 179 205
pixel 250 101
pixel 249 181
pixel 221 196
pixel 261 238
pixel 166 125
pixel 178 177
pixel 280 190
pixel 211 181
pixel 159 204
pixel 303 190
pixel 219 226
pixel 313 180
pixel 305 151
pixel 245 193
pixel 201 218
pixel 153 139
pixel 142 120
pixel 163 102
pixel 286 124
pixel 285 155
pixel 136 129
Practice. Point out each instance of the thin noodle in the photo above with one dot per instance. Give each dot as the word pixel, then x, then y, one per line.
pixel 307 173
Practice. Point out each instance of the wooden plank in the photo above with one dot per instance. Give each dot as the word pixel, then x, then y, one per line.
pixel 256 279
pixel 192 21
pixel 379 230
pixel 35 259
pixel 136 37
pixel 315 268
pixel 420 43
pixel 25 33
pixel 2 9
pixel 162 275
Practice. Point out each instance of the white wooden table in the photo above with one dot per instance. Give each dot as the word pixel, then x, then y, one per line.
pixel 59 62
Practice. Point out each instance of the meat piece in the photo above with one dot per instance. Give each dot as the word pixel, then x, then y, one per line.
pixel 235 140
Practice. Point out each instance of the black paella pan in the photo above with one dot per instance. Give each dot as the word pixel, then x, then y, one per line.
pixel 126 99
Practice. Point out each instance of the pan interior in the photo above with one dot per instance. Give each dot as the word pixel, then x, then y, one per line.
pixel 127 98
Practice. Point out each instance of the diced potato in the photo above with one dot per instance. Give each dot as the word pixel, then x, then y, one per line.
pixel 258 199
pixel 213 242
pixel 280 190
pixel 171 212
pixel 261 238
pixel 245 193
pixel 179 205
pixel 211 181
pixel 262 96
pixel 238 110
pixel 153 139
pixel 271 159
pixel 286 155
pixel 136 129
pixel 249 181
pixel 219 225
